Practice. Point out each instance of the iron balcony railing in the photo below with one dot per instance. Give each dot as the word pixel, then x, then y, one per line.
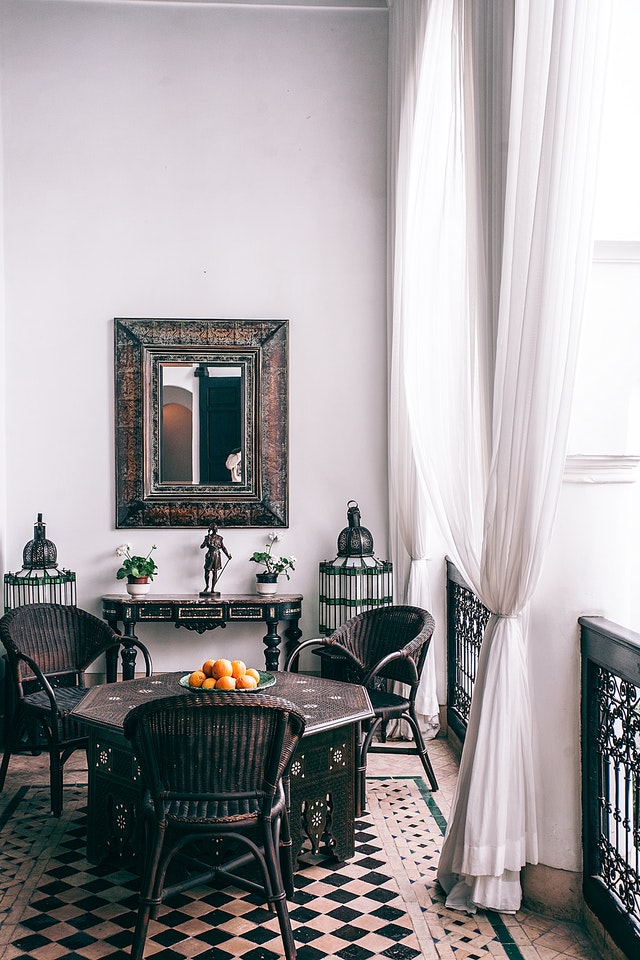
pixel 611 778
pixel 466 619
pixel 610 751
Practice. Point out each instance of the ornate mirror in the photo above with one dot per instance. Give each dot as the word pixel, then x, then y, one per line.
pixel 201 432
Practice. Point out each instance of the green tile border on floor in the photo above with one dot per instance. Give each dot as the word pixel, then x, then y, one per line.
pixel 500 929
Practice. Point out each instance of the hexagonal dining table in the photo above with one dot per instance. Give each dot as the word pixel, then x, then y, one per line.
pixel 323 779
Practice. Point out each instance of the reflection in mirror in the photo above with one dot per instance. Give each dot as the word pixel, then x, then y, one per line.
pixel 201 413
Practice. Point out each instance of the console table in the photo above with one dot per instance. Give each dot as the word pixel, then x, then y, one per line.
pixel 194 612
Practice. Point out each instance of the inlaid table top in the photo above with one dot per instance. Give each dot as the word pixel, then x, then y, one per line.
pixel 196 600
pixel 326 704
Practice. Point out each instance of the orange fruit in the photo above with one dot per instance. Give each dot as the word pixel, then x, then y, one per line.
pixel 207 667
pixel 238 668
pixel 246 682
pixel 252 672
pixel 209 683
pixel 221 668
pixel 226 683
pixel 197 678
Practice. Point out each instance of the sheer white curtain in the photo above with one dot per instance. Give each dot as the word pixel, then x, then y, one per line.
pixel 407 501
pixel 488 355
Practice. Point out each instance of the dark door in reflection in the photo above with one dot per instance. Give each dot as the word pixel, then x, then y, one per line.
pixel 220 426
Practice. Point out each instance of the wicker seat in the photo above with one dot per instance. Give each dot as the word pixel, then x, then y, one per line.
pixel 49 647
pixel 213 764
pixel 389 644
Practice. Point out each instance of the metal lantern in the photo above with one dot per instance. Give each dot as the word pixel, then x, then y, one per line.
pixel 40 580
pixel 356 580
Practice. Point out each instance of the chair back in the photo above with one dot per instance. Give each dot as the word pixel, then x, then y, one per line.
pixel 373 635
pixel 222 745
pixel 62 640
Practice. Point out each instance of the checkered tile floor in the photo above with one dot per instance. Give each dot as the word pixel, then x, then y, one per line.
pixel 384 904
pixel 75 909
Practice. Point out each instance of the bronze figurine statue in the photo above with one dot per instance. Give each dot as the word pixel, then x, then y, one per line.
pixel 213 560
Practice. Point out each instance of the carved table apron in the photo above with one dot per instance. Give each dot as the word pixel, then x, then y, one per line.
pixel 324 774
pixel 200 614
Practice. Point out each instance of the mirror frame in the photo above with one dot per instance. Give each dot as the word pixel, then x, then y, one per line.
pixel 260 347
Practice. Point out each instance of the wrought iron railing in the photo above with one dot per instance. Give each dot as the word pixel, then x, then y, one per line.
pixel 610 751
pixel 466 619
pixel 611 778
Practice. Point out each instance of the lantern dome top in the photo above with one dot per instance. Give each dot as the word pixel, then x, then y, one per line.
pixel 355 540
pixel 39 553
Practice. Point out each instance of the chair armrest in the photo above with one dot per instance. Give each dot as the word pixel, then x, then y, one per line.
pixel 147 656
pixel 381 664
pixel 329 644
pixel 293 656
pixel 133 642
pixel 42 680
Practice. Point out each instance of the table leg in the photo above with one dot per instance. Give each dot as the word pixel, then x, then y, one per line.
pixel 322 793
pixel 111 656
pixel 114 798
pixel 128 654
pixel 271 642
pixel 361 773
pixel 292 634
pixel 111 664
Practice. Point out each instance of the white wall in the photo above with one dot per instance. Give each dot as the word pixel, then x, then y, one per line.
pixel 185 160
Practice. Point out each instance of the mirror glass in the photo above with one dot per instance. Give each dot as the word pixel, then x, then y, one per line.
pixel 201 422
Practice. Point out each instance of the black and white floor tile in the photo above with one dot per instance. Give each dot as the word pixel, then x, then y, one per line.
pixel 384 904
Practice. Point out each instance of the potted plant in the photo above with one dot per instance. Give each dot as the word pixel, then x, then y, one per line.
pixel 267 580
pixel 139 571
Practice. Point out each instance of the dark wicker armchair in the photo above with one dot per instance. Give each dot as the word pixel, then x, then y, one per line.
pixel 49 647
pixel 213 763
pixel 388 643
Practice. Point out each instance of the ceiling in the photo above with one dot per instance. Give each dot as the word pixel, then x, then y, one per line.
pixel 336 4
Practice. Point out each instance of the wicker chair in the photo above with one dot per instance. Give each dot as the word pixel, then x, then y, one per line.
pixel 49 647
pixel 389 644
pixel 213 764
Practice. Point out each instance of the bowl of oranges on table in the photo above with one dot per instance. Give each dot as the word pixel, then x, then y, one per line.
pixel 223 674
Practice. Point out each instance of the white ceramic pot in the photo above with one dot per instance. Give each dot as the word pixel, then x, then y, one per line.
pixel 138 587
pixel 267 583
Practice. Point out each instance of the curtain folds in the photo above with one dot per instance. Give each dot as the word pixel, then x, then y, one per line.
pixel 407 501
pixel 492 251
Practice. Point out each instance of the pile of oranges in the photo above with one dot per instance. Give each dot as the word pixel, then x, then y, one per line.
pixel 224 675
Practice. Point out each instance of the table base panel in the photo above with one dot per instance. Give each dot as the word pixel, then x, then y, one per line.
pixel 321 794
